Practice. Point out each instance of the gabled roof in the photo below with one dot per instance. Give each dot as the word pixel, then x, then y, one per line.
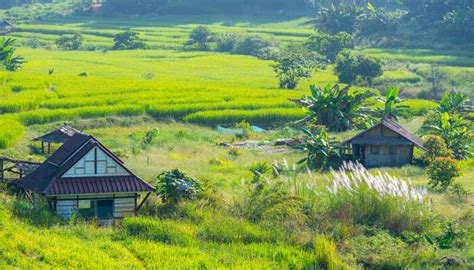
pixel 59 135
pixel 393 126
pixel 5 23
pixel 47 178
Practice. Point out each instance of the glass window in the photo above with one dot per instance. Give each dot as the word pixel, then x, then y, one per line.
pixel 86 208
pixel 375 149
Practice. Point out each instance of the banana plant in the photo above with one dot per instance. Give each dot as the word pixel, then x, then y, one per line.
pixel 454 103
pixel 391 108
pixel 456 135
pixel 7 57
pixel 322 151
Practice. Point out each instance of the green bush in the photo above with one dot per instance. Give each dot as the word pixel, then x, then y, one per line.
pixel 351 67
pixel 70 42
pixel 227 42
pixel 329 45
pixel 174 186
pixel 442 171
pixel 253 45
pixel 169 232
pixel 128 40
pixel 200 36
pixel 435 147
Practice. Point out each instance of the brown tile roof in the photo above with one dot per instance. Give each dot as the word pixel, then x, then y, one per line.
pixel 410 137
pixel 47 178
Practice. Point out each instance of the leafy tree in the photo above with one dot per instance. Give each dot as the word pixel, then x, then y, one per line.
pixel 442 171
pixel 390 109
pixel 455 133
pixel 200 36
pixel 322 151
pixel 351 67
pixel 70 42
pixel 329 45
pixel 10 61
pixel 174 186
pixel 128 40
pixel 293 65
pixel 338 16
pixel 334 107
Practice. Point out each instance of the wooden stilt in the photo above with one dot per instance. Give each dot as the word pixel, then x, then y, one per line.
pixel 49 148
pixel 42 147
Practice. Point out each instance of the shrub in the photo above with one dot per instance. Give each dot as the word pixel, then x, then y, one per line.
pixel 435 147
pixel 128 40
pixel 174 186
pixel 329 45
pixel 234 153
pixel 70 42
pixel 351 67
pixel 244 130
pixel 253 45
pixel 168 232
pixel 326 257
pixel 457 193
pixel 227 42
pixel 292 65
pixel 442 171
pixel 200 36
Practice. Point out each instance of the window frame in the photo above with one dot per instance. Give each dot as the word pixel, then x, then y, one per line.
pixel 373 151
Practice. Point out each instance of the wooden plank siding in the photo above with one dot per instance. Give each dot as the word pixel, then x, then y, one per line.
pixel 124 204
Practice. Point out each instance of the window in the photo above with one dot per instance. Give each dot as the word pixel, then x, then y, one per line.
pixel 86 208
pixel 375 149
pixel 393 150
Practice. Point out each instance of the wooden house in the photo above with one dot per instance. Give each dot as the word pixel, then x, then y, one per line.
pixel 84 178
pixel 5 27
pixel 55 137
pixel 386 144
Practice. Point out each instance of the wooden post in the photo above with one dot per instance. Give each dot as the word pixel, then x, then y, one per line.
pixel 42 147
pixel 49 148
pixel 1 170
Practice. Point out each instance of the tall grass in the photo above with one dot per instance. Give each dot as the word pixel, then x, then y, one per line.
pixel 376 199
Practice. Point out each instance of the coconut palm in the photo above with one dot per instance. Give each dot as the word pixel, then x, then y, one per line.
pixel 334 107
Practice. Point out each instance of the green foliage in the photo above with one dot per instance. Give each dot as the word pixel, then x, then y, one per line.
pixel 254 45
pixel 168 232
pixel 329 45
pixel 174 186
pixel 227 42
pixel 351 67
pixel 335 107
pixel 390 109
pixel 442 171
pixel 337 16
pixel 454 103
pixel 435 147
pixel 70 42
pixel 10 61
pixel 244 130
pixel 326 257
pixel 200 36
pixel 322 152
pixel 455 133
pixel 259 170
pixel 293 65
pixel 128 40
pixel 456 193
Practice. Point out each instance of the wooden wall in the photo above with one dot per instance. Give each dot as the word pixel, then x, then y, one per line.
pixel 124 204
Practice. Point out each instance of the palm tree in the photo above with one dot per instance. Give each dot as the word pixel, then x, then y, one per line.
pixel 335 107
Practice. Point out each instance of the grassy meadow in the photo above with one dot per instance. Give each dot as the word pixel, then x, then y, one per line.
pixel 183 95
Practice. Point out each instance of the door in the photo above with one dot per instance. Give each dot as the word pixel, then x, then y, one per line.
pixel 105 209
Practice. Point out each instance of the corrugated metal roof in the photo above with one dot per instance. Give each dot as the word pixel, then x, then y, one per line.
pixel 94 185
pixel 60 135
